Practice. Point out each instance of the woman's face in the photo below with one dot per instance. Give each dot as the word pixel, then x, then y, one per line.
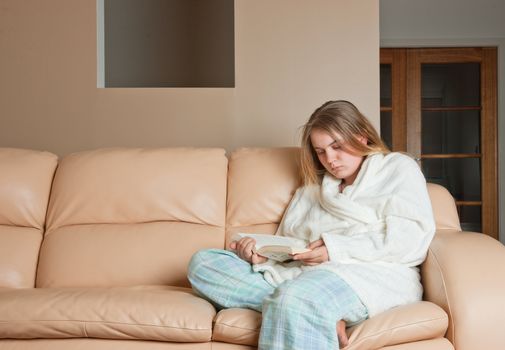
pixel 336 156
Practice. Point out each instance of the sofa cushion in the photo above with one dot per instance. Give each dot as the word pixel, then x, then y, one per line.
pixel 237 326
pixel 120 217
pixel 126 186
pixel 109 344
pixel 261 182
pixel 25 184
pixel 403 324
pixel 431 344
pixel 19 251
pixel 444 208
pixel 409 323
pixel 109 255
pixel 144 312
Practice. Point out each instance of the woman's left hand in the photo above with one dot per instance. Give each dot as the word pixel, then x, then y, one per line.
pixel 318 254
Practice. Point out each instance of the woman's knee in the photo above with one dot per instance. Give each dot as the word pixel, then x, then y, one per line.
pixel 287 295
pixel 208 260
pixel 199 259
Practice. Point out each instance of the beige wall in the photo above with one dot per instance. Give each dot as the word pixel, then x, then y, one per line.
pixel 290 55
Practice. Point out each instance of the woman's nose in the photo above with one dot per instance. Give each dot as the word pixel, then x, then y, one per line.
pixel 330 158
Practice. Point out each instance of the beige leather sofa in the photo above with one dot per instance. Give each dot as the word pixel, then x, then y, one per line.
pixel 94 249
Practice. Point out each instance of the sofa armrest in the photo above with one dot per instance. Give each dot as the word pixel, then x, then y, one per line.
pixel 464 273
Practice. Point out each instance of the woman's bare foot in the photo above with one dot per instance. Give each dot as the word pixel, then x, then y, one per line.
pixel 343 341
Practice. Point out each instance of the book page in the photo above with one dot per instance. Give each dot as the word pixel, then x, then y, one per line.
pixel 277 256
pixel 280 252
pixel 266 239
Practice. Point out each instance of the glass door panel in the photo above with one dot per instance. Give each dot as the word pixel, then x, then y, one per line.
pixel 386 120
pixel 387 128
pixel 450 85
pixel 385 85
pixel 470 217
pixel 461 176
pixel 450 132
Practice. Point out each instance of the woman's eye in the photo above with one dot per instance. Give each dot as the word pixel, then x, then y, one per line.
pixel 336 147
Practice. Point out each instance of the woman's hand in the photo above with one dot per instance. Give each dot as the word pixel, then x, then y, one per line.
pixel 244 248
pixel 318 255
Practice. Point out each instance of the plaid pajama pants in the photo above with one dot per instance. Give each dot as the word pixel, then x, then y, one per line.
pixel 300 314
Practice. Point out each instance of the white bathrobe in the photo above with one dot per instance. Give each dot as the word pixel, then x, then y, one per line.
pixel 377 231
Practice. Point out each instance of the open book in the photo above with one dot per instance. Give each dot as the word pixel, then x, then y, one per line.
pixel 276 248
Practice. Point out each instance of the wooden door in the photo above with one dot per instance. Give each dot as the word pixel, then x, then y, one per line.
pixel 440 105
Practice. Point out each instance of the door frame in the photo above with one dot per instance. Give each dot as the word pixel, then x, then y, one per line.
pixel 406 106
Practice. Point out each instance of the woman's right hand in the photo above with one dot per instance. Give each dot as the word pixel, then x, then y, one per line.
pixel 244 248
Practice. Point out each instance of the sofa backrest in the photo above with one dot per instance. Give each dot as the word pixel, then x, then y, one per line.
pixel 132 216
pixel 25 183
pixel 444 208
pixel 135 216
pixel 261 182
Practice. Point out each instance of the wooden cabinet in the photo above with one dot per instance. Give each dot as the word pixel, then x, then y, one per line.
pixel 440 106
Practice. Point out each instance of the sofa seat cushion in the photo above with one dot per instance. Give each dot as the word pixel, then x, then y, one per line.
pixel 404 324
pixel 143 312
pixel 237 326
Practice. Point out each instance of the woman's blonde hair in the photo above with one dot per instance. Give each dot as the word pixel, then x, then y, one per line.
pixel 337 118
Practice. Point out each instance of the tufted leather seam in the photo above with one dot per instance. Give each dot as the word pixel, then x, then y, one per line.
pixel 228 325
pixel 109 322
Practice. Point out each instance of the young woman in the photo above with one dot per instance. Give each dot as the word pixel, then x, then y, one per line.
pixel 367 214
